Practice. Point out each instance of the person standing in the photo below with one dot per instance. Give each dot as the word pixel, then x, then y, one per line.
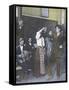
pixel 29 49
pixel 39 62
pixel 58 47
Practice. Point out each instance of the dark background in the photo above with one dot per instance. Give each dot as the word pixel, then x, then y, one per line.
pixel 31 26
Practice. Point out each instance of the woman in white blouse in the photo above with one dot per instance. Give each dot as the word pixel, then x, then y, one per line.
pixel 39 54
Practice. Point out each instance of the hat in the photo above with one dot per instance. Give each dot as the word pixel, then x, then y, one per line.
pixel 21 39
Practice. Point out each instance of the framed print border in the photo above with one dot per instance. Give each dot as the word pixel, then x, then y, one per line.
pixel 12 43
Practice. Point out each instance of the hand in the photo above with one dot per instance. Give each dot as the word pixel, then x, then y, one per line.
pixel 20 61
pixel 19 56
pixel 61 46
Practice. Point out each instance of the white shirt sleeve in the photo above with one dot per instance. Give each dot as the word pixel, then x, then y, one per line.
pixel 37 35
pixel 40 41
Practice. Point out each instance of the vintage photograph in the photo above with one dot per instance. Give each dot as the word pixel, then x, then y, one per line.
pixel 40 44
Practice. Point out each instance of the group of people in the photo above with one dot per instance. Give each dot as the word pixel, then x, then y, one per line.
pixel 37 58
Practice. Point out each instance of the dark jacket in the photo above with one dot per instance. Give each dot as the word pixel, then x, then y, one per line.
pixel 29 47
pixel 18 50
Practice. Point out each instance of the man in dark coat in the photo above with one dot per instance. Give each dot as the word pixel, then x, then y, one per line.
pixel 29 47
pixel 20 49
pixel 20 58
pixel 58 48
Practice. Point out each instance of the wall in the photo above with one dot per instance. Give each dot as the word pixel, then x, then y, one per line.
pixel 54 14
pixel 31 11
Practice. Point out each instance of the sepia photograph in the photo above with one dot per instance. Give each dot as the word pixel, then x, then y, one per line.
pixel 41 44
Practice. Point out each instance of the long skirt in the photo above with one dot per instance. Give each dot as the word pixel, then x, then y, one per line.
pixel 39 62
